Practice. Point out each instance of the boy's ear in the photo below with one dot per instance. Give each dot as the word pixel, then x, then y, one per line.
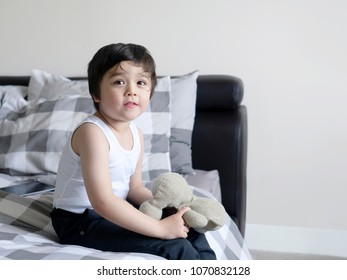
pixel 96 99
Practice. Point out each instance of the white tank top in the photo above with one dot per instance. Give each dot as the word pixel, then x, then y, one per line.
pixel 70 192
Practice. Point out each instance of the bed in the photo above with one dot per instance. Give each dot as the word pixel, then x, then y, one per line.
pixel 195 125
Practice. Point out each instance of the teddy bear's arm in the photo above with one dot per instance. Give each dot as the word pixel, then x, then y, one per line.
pixel 151 210
pixel 195 219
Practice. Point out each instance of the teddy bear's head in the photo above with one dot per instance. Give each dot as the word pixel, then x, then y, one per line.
pixel 171 190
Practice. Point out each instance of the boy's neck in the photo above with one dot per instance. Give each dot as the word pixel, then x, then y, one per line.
pixel 117 127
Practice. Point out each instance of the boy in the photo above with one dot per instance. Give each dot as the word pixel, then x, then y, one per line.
pixel 99 175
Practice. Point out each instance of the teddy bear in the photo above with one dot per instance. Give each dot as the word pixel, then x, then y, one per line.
pixel 171 191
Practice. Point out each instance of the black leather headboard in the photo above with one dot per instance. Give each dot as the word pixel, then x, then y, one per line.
pixel 220 139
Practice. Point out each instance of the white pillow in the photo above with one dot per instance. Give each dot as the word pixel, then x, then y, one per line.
pixel 12 99
pixel 50 86
pixel 206 180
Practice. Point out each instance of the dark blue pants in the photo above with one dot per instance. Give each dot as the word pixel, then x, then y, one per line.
pixel 91 230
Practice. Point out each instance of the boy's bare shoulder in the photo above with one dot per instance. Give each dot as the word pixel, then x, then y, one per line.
pixel 88 134
pixel 88 129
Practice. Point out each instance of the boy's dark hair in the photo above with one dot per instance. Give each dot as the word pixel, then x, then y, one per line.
pixel 113 54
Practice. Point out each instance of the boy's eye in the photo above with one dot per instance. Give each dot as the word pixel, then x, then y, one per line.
pixel 141 83
pixel 119 82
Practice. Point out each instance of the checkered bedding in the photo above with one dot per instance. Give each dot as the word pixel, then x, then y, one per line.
pixel 26 233
pixel 33 132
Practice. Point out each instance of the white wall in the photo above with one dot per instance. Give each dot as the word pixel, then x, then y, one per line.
pixel 290 54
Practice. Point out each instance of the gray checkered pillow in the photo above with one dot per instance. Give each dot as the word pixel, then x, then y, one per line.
pixel 33 139
pixel 155 124
pixel 183 100
pixel 32 142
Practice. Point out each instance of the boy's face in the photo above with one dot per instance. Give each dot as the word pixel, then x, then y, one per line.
pixel 124 92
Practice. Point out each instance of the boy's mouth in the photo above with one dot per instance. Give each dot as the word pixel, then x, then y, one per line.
pixel 130 105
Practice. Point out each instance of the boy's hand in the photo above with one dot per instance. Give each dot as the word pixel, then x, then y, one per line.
pixel 174 225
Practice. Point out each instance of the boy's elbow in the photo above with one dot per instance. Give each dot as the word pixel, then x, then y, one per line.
pixel 101 205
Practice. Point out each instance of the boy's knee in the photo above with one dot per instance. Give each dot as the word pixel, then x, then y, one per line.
pixel 181 249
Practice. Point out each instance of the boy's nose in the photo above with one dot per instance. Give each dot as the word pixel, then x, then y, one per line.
pixel 131 90
pixel 131 93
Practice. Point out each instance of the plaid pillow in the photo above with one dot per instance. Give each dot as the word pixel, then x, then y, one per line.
pixel 183 99
pixel 32 143
pixel 155 125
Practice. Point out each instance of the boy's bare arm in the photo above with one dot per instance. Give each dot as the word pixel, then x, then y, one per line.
pixel 137 192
